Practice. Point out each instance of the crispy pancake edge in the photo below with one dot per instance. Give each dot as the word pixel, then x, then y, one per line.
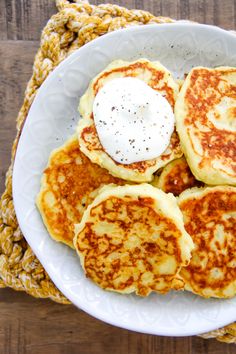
pixel 43 188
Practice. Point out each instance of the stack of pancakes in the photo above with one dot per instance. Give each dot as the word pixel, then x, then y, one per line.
pixel 166 223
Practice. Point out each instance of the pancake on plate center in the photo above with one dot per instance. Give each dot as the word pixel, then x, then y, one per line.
pixel 158 78
pixel 210 219
pixel 206 122
pixel 132 239
pixel 69 184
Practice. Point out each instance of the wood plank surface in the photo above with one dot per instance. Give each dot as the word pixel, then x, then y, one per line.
pixel 35 326
pixel 16 58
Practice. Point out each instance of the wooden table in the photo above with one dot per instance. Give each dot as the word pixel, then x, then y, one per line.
pixel 35 326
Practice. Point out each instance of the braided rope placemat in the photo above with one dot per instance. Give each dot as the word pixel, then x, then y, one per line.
pixel 75 24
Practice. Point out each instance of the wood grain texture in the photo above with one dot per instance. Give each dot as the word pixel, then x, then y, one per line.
pixel 16 58
pixel 25 18
pixel 35 326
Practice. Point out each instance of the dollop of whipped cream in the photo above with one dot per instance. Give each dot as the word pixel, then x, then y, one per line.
pixel 134 122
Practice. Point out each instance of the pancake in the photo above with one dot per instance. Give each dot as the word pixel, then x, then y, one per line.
pixel 132 239
pixel 157 77
pixel 69 184
pixel 210 219
pixel 176 177
pixel 206 122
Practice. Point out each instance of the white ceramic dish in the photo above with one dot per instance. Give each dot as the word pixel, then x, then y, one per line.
pixel 52 119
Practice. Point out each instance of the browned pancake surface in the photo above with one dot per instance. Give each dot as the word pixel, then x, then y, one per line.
pixel 176 177
pixel 210 219
pixel 206 121
pixel 132 239
pixel 69 185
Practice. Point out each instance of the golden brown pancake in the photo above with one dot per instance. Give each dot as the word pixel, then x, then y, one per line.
pixel 132 239
pixel 206 122
pixel 210 219
pixel 176 177
pixel 157 77
pixel 69 184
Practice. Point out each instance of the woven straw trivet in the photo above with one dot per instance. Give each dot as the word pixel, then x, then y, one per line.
pixel 75 24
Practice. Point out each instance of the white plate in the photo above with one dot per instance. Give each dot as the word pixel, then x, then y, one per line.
pixel 52 119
